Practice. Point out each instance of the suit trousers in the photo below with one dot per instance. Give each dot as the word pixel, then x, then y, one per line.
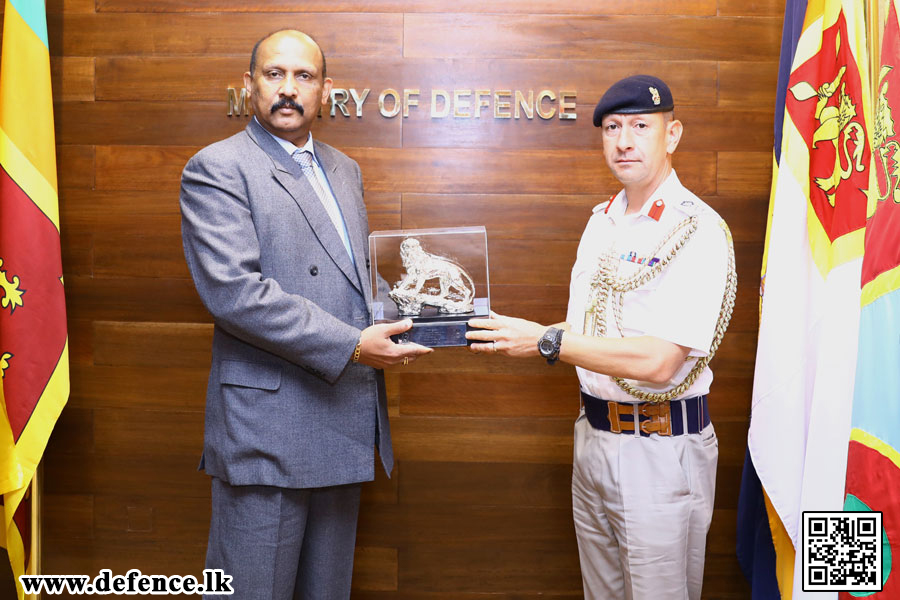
pixel 642 508
pixel 284 544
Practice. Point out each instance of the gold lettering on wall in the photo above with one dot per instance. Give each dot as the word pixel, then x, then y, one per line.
pixel 237 104
pixel 359 99
pixel 339 97
pixel 501 107
pixel 444 95
pixel 481 101
pixel 459 105
pixel 567 109
pixel 539 105
pixel 382 108
pixel 409 101
pixel 464 103
pixel 525 105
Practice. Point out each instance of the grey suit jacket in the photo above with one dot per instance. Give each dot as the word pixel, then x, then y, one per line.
pixel 284 405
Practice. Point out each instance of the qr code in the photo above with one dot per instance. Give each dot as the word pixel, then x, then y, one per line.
pixel 842 551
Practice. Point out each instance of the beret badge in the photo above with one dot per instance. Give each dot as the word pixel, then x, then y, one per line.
pixel 654 93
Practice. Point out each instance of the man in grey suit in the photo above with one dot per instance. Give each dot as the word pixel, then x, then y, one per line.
pixel 275 236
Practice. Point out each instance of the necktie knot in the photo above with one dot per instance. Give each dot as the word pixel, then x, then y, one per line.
pixel 302 158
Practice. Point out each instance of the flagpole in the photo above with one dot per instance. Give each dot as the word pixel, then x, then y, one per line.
pixel 34 561
pixel 876 10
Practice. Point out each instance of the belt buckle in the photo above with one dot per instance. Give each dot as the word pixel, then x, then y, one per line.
pixel 658 418
pixel 615 409
pixel 612 408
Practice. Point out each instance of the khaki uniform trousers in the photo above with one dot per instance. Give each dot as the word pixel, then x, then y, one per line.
pixel 642 508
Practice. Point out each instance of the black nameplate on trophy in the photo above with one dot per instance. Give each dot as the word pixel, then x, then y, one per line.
pixel 435 334
pixel 437 330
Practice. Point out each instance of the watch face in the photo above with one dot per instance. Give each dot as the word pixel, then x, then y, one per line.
pixel 546 347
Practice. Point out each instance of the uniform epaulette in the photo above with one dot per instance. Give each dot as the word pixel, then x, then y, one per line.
pixel 604 206
pixel 691 207
pixel 601 206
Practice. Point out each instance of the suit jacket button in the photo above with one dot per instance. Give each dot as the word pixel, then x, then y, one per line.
pixel 314 270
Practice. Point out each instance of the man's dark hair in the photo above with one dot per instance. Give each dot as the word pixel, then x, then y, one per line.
pixel 264 38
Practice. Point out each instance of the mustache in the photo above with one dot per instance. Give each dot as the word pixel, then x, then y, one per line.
pixel 286 103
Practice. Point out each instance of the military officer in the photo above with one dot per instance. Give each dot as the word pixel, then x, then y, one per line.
pixel 650 297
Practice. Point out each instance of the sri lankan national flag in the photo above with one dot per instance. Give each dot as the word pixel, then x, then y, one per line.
pixel 873 461
pixel 33 340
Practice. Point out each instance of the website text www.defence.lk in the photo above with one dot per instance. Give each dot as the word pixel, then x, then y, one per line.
pixel 215 582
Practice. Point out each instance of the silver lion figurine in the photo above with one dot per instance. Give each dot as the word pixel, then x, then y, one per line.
pixel 431 280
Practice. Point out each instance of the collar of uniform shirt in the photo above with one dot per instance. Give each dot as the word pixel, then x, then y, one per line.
pixel 291 148
pixel 619 203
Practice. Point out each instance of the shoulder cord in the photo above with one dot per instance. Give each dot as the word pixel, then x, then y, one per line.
pixel 605 283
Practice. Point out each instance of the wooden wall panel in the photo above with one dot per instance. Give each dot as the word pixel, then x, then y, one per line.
pixel 506 216
pixel 503 171
pixel 375 569
pixel 117 386
pixel 486 483
pixel 590 37
pixel 538 395
pixel 742 173
pixel 75 168
pixel 479 502
pixel 137 168
pixel 194 124
pixel 55 7
pixel 113 34
pixel 747 83
pixel 635 7
pixel 124 212
pixel 72 78
pixel 162 344
pixel 772 8
pixel 456 568
pixel 541 303
pixel 703 127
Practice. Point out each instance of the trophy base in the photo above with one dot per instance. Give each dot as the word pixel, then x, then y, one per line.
pixel 435 329
pixel 436 334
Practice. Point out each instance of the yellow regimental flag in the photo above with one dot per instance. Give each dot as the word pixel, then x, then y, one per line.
pixel 34 368
pixel 810 307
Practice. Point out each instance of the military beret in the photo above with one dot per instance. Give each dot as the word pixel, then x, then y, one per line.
pixel 637 94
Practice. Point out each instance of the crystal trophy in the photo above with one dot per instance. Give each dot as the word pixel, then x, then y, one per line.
pixel 436 277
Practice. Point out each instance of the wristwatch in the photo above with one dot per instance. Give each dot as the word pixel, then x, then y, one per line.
pixel 548 345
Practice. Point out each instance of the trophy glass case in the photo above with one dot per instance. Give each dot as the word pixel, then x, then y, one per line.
pixel 436 277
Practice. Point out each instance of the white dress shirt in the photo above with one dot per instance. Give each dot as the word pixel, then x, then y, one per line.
pixel 681 305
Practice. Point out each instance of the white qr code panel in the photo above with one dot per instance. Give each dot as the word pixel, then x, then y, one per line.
pixel 842 551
